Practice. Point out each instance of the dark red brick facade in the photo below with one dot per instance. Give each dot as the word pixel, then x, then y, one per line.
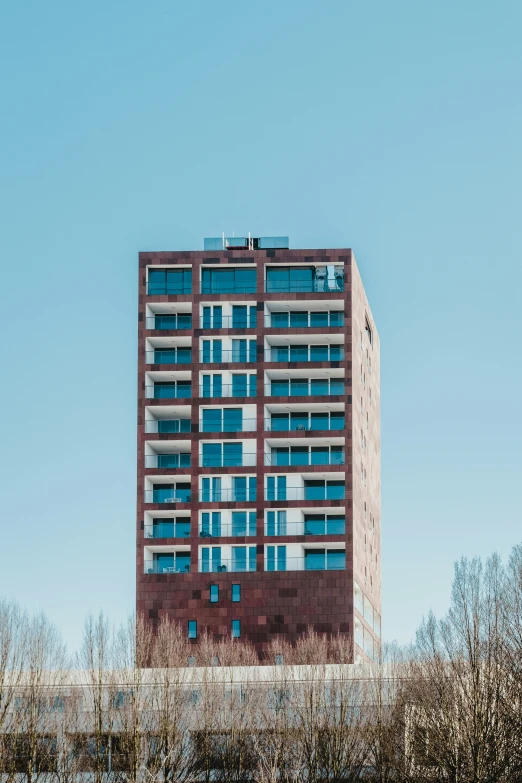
pixel 275 602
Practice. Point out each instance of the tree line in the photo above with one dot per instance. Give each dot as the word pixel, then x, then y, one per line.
pixel 136 704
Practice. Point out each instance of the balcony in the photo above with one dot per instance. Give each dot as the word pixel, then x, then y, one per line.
pixel 168 494
pixel 169 390
pixel 243 523
pixel 218 356
pixel 217 390
pixel 304 353
pixel 168 528
pixel 234 565
pixel 304 455
pixel 170 461
pixel 168 564
pixel 167 426
pixel 303 319
pixel 277 490
pixel 299 422
pixel 169 356
pixel 215 321
pixel 246 459
pixel 331 560
pixel 324 387
pixel 244 425
pixel 218 495
pixel 276 525
pixel 169 322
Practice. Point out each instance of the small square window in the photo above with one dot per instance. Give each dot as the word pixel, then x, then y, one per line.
pixel 279 660
pixel 192 629
pixel 214 594
pixel 191 660
pixel 236 593
pixel 236 629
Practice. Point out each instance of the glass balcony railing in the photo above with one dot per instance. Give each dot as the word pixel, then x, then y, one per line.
pixel 170 426
pixel 305 493
pixel 224 357
pixel 169 391
pixel 304 320
pixel 328 528
pixel 168 461
pixel 227 496
pixel 304 353
pixel 228 565
pixel 303 423
pixel 227 530
pixel 247 459
pixel 177 356
pixel 227 322
pixel 305 457
pixel 171 496
pixel 317 562
pixel 304 286
pixel 319 387
pixel 246 425
pixel 169 323
pixel 227 390
pixel 167 529
pixel 228 288
pixel 153 567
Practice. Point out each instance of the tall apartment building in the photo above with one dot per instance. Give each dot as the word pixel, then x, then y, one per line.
pixel 258 443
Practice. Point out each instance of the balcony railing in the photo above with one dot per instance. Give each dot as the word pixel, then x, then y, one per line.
pixel 167 529
pixel 226 530
pixel 233 565
pixel 227 288
pixel 317 563
pixel 168 392
pixel 151 567
pixel 278 529
pixel 227 496
pixel 304 458
pixel 304 320
pixel 305 493
pixel 169 323
pixel 227 390
pixel 227 322
pixel 171 497
pixel 224 357
pixel 311 389
pixel 305 287
pixel 304 353
pixel 246 425
pixel 167 425
pixel 169 357
pixel 304 424
pixel 168 461
pixel 247 459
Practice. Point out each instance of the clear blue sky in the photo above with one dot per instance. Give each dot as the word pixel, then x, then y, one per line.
pixel 391 128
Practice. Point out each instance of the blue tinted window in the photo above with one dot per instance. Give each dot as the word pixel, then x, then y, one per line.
pixel 315 559
pixel 214 594
pixel 279 320
pixel 233 419
pixel 337 318
pixel 232 454
pixel 335 559
pixel 299 319
pixel 236 629
pixel 319 319
pixel 236 593
pixel 192 629
pixel 212 420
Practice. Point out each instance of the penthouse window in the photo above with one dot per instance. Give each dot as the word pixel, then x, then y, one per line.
pixel 231 280
pixel 304 279
pixel 170 281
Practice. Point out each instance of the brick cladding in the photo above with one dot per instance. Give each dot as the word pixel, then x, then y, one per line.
pixel 272 603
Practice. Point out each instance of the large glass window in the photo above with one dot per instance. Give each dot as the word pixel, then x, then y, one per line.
pixel 243 558
pixel 283 279
pixel 178 460
pixel 243 489
pixel 170 281
pixel 173 356
pixel 324 490
pixel 211 490
pixel 231 280
pixel 168 322
pixel 276 488
pixel 321 524
pixel 168 390
pixel 276 558
pixel 212 317
pixel 220 455
pixel 276 523
pixel 173 425
pixel 243 523
pixel 211 524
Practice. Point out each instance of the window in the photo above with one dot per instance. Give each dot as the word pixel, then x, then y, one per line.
pixel 244 317
pixel 243 488
pixel 213 317
pixel 244 385
pixel 218 455
pixel 212 351
pixel 368 329
pixel 276 558
pixel 324 524
pixel 236 593
pixel 172 389
pixel 244 350
pixel 210 524
pixel 243 558
pixel 276 523
pixel 192 629
pixel 170 281
pixel 214 594
pixel 243 523
pixel 191 660
pixel 323 490
pixel 236 629
pixel 211 560
pixel 222 420
pixel 279 659
pixel 232 280
pixel 276 488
